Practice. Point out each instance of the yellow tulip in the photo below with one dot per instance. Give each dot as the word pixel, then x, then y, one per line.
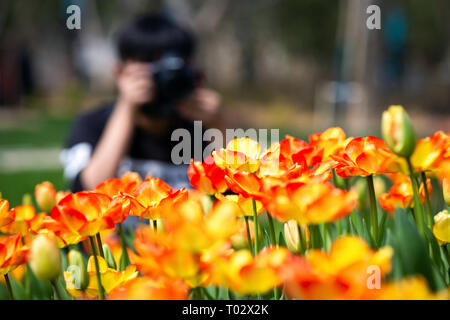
pixel 441 228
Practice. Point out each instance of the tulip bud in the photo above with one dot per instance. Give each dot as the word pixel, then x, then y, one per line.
pixel 398 131
pixel 45 258
pixel 45 195
pixel 109 257
pixel 292 236
pixel 26 199
pixel 78 269
pixel 446 189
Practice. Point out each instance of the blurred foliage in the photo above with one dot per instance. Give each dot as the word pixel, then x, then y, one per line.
pixel 307 26
pixel 429 27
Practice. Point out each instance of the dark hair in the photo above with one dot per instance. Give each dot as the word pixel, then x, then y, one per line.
pixel 148 37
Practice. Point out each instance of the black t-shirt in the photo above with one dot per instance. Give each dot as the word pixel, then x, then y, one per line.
pixel 148 154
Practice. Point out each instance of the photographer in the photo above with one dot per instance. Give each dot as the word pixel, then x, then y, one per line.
pixel 134 132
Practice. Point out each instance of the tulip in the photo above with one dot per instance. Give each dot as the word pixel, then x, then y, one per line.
pixel 431 152
pixel 6 216
pixel 151 289
pixel 296 236
pixel 45 258
pixel 441 228
pixel 398 131
pixel 365 156
pixel 110 279
pixel 78 269
pixel 12 253
pixel 45 195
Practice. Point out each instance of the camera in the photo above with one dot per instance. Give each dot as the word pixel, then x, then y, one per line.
pixel 174 80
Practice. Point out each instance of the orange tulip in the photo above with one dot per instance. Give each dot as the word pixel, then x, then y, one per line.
pixel 298 151
pixel 6 216
pixel 340 274
pixel 245 204
pixel 308 203
pixel 244 183
pixel 79 215
pixel 151 289
pixel 431 152
pixel 207 176
pixel 169 254
pixel 401 194
pixel 245 274
pixel 366 156
pixel 154 193
pixel 12 253
pixel 331 141
pixel 127 184
pixel 240 154
pixel 26 221
pixel 413 288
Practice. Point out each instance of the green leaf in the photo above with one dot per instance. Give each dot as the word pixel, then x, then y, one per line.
pixel 412 251
pixel 36 289
pixel 17 289
pixel 281 240
pixel 124 261
pixel 435 250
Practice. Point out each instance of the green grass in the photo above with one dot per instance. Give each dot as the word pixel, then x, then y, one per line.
pixel 14 185
pixel 42 131
pixel 32 132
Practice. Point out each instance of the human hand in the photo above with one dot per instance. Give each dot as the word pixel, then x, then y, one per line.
pixel 135 84
pixel 203 104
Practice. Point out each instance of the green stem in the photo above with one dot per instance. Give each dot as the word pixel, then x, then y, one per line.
pixel 58 294
pixel 101 294
pixel 427 198
pixel 249 237
pixel 446 249
pixel 273 240
pixel 216 292
pixel 418 213
pixel 302 239
pixel 255 222
pixel 125 260
pixel 373 210
pixel 276 293
pixel 100 245
pixel 272 230
pixel 8 284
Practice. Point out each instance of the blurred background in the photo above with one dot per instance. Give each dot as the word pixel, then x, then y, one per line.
pixel 297 65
